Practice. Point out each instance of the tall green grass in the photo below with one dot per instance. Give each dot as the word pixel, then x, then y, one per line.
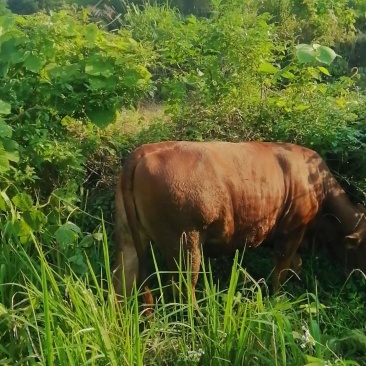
pixel 50 316
pixel 52 319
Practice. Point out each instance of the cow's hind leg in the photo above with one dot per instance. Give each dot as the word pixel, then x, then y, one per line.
pixel 125 270
pixel 285 256
pixel 143 275
pixel 128 268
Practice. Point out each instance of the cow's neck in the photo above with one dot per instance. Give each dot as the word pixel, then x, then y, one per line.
pixel 339 205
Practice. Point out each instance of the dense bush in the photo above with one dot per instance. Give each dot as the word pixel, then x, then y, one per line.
pixel 56 68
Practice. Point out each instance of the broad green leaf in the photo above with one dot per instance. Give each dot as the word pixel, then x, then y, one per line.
pixel 111 82
pixel 325 55
pixel 305 53
pixel 77 259
pixel 12 156
pixel 91 33
pixel 4 161
pixel 314 361
pixel 11 149
pixel 53 70
pixel 96 82
pixel 281 103
pixel 64 73
pixel 5 130
pixel 23 201
pixel 144 73
pixel 35 219
pixel 48 48
pixel 73 227
pixel 131 78
pixel 34 63
pixel 4 68
pixel 314 73
pixel 102 118
pixel 26 239
pixel 98 236
pixel 87 241
pixel 70 70
pixel 2 204
pixel 286 74
pixel 67 235
pixel 21 228
pixel 263 24
pixel 301 107
pixel 66 195
pixel 78 264
pixel 5 108
pixel 191 19
pixel 323 70
pixel 6 21
pixel 283 306
pixel 267 68
pixel 99 67
pixel 17 57
pixel 51 66
pixel 7 49
pixel 67 121
pixel 341 102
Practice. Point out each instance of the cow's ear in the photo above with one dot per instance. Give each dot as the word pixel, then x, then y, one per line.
pixel 352 240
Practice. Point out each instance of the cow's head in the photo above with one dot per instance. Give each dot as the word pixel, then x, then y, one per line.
pixel 354 254
pixel 349 250
pixel 358 236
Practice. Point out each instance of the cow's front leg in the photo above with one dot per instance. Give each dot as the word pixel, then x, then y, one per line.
pixel 190 253
pixel 194 245
pixel 285 256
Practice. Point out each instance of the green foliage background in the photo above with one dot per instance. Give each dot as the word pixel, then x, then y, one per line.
pixel 78 88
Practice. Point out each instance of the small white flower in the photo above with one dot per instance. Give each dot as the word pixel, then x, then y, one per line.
pixel 192 356
pixel 306 338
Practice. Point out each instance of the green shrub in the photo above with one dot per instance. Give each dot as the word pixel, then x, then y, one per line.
pixel 204 58
pixel 56 68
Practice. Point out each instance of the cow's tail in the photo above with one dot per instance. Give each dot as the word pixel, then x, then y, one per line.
pixel 129 169
pixel 127 184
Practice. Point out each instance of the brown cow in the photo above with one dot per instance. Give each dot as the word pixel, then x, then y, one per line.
pixel 222 196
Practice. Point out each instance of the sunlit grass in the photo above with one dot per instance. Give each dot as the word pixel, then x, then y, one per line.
pixel 131 122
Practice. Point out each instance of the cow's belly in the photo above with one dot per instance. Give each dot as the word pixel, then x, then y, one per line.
pixel 250 237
